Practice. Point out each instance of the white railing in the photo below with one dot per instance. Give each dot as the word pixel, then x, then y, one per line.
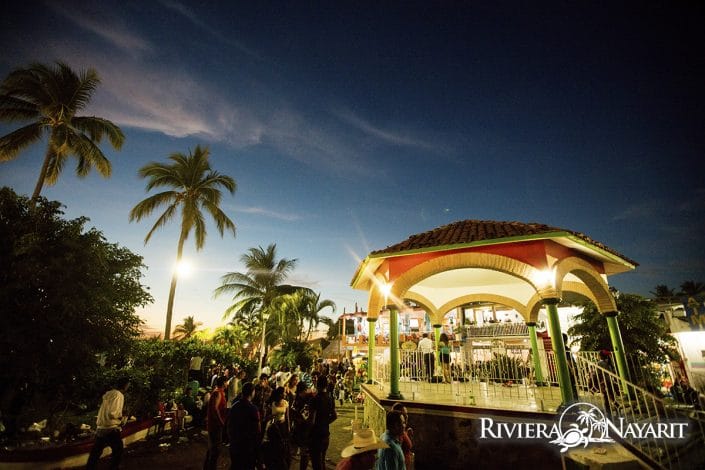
pixel 497 329
pixel 491 374
pixel 620 399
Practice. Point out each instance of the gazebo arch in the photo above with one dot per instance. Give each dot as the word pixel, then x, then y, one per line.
pixel 498 299
pixel 596 286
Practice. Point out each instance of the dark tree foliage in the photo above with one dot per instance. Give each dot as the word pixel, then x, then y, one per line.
pixel 158 369
pixel 293 353
pixel 643 332
pixel 66 296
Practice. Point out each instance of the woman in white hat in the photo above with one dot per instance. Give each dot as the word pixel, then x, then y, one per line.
pixel 361 453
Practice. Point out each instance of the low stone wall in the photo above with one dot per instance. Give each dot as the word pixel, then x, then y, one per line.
pixel 448 437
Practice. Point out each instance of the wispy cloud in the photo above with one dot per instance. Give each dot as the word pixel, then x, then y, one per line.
pixel 269 213
pixel 385 135
pixel 637 211
pixel 172 102
pixel 106 28
pixel 187 13
pixel 695 202
pixel 315 145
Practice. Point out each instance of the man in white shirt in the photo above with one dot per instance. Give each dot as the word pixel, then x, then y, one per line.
pixel 427 349
pixel 109 425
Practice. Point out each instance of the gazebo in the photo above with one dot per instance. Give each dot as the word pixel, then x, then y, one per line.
pixel 525 266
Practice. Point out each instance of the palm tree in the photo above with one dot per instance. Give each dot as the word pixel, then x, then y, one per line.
pixel 195 188
pixel 305 307
pixel 235 336
pixel 187 328
pixel 662 293
pixel 49 97
pixel 254 291
pixel 692 289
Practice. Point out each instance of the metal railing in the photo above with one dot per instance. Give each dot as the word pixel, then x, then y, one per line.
pixel 625 402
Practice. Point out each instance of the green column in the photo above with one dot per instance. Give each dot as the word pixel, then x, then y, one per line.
pixel 371 350
pixel 618 348
pixel 538 373
pixel 559 356
pixel 394 393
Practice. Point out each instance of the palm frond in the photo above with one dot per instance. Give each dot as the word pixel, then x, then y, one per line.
pixel 14 142
pixel 97 127
pixel 14 108
pixel 145 207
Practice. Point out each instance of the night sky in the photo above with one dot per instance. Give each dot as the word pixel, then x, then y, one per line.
pixel 350 126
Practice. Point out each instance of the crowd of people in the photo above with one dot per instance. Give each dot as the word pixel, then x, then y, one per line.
pixel 265 423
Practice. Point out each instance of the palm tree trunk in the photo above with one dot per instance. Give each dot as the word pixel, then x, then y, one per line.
pixel 172 288
pixel 42 176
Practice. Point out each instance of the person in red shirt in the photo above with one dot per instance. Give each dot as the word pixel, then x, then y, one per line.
pixel 215 422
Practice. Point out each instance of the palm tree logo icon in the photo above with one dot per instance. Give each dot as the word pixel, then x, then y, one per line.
pixel 590 425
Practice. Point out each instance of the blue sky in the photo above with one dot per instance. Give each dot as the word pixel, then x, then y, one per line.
pixel 350 126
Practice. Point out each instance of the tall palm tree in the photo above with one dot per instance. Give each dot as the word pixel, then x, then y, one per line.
pixel 254 291
pixel 195 188
pixel 186 329
pixel 49 97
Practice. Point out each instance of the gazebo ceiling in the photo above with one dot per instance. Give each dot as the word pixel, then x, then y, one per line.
pixel 445 286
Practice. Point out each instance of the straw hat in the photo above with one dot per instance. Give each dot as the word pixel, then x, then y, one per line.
pixel 363 441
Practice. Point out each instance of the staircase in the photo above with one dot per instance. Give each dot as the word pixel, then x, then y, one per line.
pixel 622 399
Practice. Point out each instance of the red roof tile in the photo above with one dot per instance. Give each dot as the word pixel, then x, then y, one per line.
pixel 469 231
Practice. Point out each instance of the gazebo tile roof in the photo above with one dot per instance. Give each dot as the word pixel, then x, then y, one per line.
pixel 469 231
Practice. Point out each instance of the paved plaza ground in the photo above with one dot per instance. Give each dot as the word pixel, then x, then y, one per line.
pixel 169 453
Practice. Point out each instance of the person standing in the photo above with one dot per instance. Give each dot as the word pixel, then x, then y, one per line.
pixel 216 412
pixel 571 367
pixel 234 385
pixel 407 445
pixel 276 448
pixel 244 430
pixel 426 349
pixel 392 458
pixel 262 393
pixel 606 386
pixel 361 453
pixel 323 407
pixel 109 425
pixel 444 349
